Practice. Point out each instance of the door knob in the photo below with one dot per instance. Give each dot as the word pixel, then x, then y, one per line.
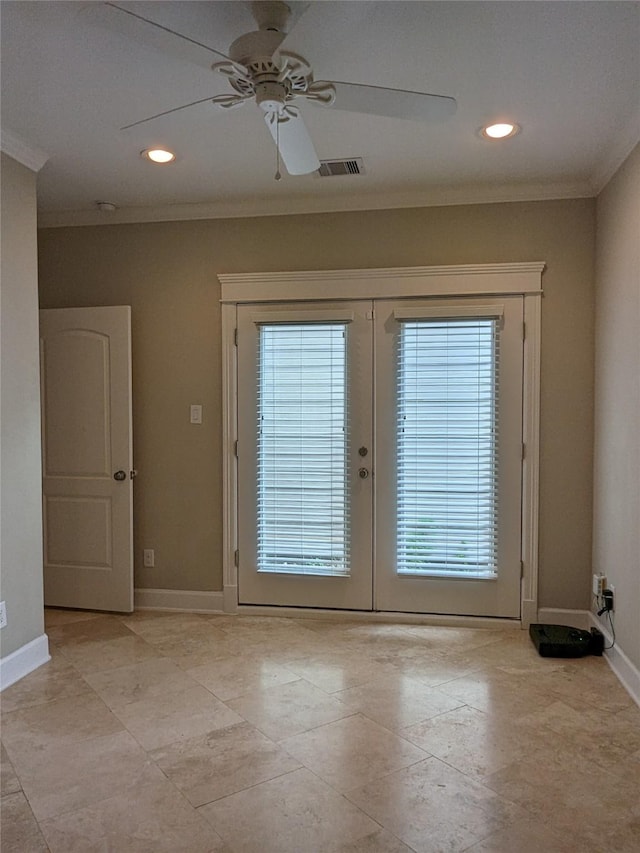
pixel 363 473
pixel 120 475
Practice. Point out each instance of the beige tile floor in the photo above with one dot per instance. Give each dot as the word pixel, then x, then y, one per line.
pixel 188 733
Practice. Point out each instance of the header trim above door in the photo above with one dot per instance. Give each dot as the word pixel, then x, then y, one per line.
pixel 395 282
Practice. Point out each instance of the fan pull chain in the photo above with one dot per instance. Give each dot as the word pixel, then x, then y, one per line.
pixel 278 176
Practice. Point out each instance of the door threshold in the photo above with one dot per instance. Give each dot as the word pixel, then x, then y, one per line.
pixel 444 620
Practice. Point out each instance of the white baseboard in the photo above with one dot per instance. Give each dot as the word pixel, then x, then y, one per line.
pixel 625 670
pixel 24 660
pixel 558 616
pixel 192 600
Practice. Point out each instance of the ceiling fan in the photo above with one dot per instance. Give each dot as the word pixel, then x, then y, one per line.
pixel 259 69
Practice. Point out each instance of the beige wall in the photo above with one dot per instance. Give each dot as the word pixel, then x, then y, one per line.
pixel 21 524
pixel 167 273
pixel 616 550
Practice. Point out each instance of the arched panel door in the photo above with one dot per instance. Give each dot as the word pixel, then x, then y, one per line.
pixel 87 457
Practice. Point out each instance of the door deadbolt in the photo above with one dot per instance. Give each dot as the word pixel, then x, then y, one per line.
pixel 363 451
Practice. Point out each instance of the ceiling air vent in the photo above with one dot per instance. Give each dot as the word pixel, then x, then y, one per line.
pixel 330 168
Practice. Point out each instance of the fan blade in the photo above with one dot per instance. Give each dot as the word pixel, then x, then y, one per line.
pixel 166 112
pixel 294 143
pixel 119 19
pixel 395 103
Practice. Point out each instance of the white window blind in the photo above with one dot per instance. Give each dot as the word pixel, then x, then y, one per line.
pixel 447 409
pixel 303 518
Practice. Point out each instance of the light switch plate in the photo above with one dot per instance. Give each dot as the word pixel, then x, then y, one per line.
pixel 196 414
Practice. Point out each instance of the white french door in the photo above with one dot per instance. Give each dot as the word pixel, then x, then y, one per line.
pixel 304 408
pixel 449 456
pixel 379 455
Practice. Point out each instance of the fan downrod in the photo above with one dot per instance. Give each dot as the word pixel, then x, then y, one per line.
pixel 271 15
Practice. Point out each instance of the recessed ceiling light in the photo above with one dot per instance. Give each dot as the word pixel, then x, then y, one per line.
pixel 158 155
pixel 501 130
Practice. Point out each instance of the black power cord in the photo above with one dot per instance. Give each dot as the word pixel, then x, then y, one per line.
pixel 613 631
pixel 605 602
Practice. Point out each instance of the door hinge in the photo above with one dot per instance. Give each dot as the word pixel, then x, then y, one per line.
pixel 235 337
pixel 524 330
pixel 524 450
pixel 521 569
pixel 236 558
pixel 235 448
pixel 371 315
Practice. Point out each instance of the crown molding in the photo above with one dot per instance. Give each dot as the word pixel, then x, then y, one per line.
pixel 622 146
pixel 29 155
pixel 343 203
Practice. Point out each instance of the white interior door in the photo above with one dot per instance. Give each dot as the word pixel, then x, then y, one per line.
pixel 87 457
pixel 428 479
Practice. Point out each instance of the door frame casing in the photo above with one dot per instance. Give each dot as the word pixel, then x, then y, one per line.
pixel 524 279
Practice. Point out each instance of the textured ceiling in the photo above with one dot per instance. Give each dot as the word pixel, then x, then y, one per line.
pixel 568 72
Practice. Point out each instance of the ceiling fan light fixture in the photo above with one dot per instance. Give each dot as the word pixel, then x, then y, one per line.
pixel 500 130
pixel 158 155
pixel 271 96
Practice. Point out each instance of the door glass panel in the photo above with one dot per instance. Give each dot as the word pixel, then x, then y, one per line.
pixel 302 453
pixel 447 435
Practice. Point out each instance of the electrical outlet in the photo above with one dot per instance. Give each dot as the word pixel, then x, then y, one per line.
pixel 149 558
pixel 3 614
pixel 599 584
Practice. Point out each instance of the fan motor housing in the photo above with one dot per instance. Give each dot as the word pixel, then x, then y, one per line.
pixel 260 43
